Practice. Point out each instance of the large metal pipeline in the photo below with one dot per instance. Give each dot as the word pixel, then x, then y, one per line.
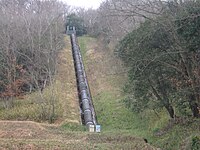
pixel 87 109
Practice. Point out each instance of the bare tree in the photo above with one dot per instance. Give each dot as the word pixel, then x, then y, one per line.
pixel 31 36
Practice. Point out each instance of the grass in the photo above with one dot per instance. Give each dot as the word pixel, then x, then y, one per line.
pixel 22 110
pixel 111 112
pixel 73 127
pixel 32 107
pixel 83 45
pixel 107 98
pixel 84 141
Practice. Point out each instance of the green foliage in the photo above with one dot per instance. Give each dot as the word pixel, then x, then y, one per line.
pixel 142 50
pixel 73 127
pixel 163 59
pixel 189 25
pixel 75 21
pixel 195 143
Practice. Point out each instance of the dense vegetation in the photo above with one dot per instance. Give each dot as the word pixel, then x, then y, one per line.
pixel 31 36
pixel 163 57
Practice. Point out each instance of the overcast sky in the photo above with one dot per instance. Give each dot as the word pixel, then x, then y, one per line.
pixel 84 3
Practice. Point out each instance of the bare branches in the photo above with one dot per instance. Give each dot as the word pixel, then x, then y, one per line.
pixel 31 36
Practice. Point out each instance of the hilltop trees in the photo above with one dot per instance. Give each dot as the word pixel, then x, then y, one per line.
pixel 76 21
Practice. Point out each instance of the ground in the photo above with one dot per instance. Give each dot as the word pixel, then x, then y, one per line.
pixel 33 136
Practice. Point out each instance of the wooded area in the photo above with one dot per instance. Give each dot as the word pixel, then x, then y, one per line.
pixel 159 42
pixel 31 36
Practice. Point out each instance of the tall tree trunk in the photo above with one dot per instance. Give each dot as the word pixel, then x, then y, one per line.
pixel 164 101
pixel 165 98
pixel 170 110
pixel 194 106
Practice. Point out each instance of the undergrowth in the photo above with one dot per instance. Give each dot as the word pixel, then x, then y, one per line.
pixel 33 107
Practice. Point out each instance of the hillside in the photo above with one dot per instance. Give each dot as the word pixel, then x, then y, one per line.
pixel 107 79
pixel 66 133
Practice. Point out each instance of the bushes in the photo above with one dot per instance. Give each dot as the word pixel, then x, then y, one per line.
pixel 195 145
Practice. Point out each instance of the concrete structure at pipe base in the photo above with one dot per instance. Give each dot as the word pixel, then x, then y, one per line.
pixel 91 128
pixel 98 128
pixel 94 128
pixel 70 30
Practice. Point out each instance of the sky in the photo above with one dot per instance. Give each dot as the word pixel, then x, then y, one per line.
pixel 84 3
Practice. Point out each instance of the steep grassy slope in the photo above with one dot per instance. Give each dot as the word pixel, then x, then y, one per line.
pixel 106 81
pixel 106 78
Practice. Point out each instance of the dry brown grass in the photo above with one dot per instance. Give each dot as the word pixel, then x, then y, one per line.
pixel 102 67
pixel 67 91
pixel 19 135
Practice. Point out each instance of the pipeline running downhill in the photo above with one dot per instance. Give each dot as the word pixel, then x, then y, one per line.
pixel 85 100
